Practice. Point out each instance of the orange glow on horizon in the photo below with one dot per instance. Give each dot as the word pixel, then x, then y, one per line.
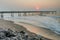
pixel 37 7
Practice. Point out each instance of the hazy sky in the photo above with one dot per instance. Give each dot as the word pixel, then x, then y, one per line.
pixel 29 4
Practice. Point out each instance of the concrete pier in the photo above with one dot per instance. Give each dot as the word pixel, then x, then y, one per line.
pixel 29 13
pixel 2 16
pixel 12 14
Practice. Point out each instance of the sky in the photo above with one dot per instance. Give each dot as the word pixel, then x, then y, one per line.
pixel 29 5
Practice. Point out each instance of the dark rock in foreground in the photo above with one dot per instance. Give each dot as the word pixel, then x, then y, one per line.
pixel 22 35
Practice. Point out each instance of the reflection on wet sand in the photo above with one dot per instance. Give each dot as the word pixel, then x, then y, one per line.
pixel 41 31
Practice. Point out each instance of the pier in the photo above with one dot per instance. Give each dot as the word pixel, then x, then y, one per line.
pixel 27 13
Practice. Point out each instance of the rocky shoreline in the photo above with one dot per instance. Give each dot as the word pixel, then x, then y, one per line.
pixel 22 35
pixel 11 31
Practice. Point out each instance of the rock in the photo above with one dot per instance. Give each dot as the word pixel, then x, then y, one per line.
pixel 2 35
pixel 22 35
pixel 22 32
pixel 9 33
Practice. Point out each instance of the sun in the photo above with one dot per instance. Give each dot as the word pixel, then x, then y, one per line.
pixel 37 7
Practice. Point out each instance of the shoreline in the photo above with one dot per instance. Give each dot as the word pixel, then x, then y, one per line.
pixel 41 31
pixel 34 29
pixel 10 25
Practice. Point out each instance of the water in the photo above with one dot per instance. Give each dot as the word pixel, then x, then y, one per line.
pixel 40 21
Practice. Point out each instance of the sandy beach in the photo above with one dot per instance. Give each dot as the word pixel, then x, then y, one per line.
pixel 41 31
pixel 6 24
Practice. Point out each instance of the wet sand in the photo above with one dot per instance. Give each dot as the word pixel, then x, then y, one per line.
pixel 5 24
pixel 41 31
